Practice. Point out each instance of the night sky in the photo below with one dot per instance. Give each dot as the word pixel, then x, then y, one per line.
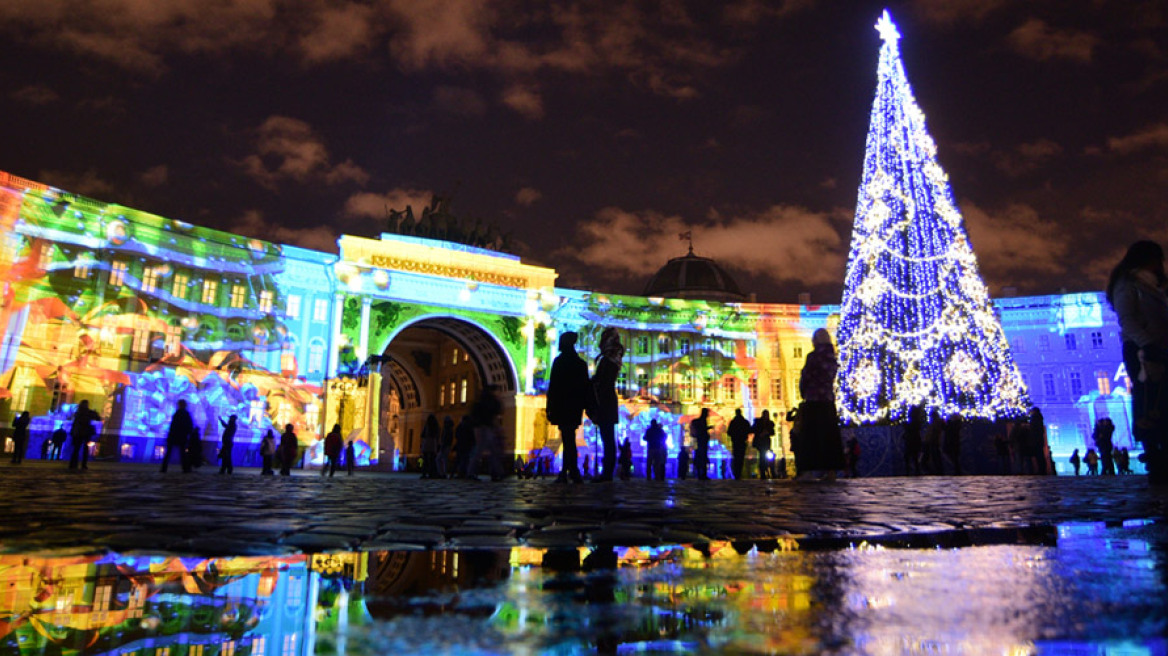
pixel 595 131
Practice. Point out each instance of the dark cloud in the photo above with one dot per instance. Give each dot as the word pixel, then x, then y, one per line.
pixel 1037 40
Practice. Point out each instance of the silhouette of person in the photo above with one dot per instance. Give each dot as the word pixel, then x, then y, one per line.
pixel 913 429
pixel 682 462
pixel 568 392
pixel 764 429
pixel 288 450
pixel 1076 461
pixel 351 454
pixel 267 453
pixel 228 445
pixel 626 460
pixel 739 431
pixel 181 427
pixel 1036 443
pixel 822 440
pixel 20 436
pixel 58 440
pixel 444 446
pixel 195 449
pixel 1136 290
pixel 486 412
pixel 1104 430
pixel 464 443
pixel 699 430
pixel 431 434
pixel 655 451
pixel 1092 460
pixel 333 445
pixel 80 433
pixel 606 413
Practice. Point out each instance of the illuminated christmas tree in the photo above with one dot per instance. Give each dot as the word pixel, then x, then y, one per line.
pixel 917 326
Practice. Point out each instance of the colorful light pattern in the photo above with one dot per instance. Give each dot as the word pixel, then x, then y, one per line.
pixel 917 326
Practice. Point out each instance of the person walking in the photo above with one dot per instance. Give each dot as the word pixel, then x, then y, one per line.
pixel 655 455
pixel 267 453
pixel 764 430
pixel 1092 460
pixel 20 436
pixel 288 450
pixel 739 431
pixel 606 413
pixel 699 430
pixel 1136 290
pixel 333 445
pixel 177 435
pixel 227 445
pixel 485 414
pixel 568 393
pixel 820 422
pixel 351 454
pixel 80 433
pixel 431 436
pixel 1104 429
pixel 464 442
pixel 1076 461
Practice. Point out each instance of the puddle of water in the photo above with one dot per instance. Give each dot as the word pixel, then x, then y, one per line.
pixel 1090 589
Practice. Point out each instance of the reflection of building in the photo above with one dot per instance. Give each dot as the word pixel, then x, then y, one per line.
pixel 134 311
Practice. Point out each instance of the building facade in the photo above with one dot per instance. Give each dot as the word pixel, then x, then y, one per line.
pixel 133 312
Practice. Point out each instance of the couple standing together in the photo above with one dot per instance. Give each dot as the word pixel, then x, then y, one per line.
pixel 571 393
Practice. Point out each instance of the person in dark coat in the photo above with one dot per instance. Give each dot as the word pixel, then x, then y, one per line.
pixel 1076 461
pixel 699 430
pixel 626 460
pixel 1104 429
pixel 606 413
pixel 227 447
pixel 333 445
pixel 444 446
pixel 20 436
pixel 181 427
pixel 431 438
pixel 268 453
pixel 739 431
pixel 764 430
pixel 485 413
pixel 80 433
pixel 953 442
pixel 58 439
pixel 682 462
pixel 1036 443
pixel 655 455
pixel 288 450
pixel 913 430
pixel 351 453
pixel 195 449
pixel 822 442
pixel 568 393
pixel 464 442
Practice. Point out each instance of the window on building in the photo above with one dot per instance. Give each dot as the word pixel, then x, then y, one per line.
pixel 622 383
pixel 1076 382
pixel 210 292
pixel 777 350
pixel 685 390
pixel 663 344
pixel 150 279
pixel 683 346
pixel 797 352
pixel 708 389
pixel 1069 338
pixel 750 349
pixel 462 385
pixel 1019 345
pixel 730 389
pixel 776 389
pixel 255 412
pixel 238 296
pixel 642 382
pixel 173 340
pixel 1097 339
pixel 320 310
pixel 315 357
pixel 181 282
pixel 454 355
pixel 1104 382
pixel 642 345
pixel 117 275
pixel 1048 384
pixel 267 299
pixel 46 255
pixel 442 395
pixel 293 308
pixel 81 268
pixel 752 386
pixel 288 357
pixel 1044 342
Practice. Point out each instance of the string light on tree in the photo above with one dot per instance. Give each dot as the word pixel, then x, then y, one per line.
pixel 917 326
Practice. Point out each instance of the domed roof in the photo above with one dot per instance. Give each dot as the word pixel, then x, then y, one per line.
pixel 691 276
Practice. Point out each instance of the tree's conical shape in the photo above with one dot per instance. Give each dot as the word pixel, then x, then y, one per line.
pixel 916 325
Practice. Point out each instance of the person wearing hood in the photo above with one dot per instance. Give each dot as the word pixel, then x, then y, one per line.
pixel 823 445
pixel 567 396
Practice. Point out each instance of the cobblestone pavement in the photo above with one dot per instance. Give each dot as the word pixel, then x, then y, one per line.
pixel 125 507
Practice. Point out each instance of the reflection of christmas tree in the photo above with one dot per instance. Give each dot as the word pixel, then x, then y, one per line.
pixel 916 322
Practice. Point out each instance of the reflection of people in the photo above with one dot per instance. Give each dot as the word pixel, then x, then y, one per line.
pixel 606 413
pixel 822 442
pixel 567 395
pixel 80 433
pixel 177 435
pixel 1136 289
pixel 20 436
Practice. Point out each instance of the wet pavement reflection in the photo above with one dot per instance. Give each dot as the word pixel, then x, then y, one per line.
pixel 1079 588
